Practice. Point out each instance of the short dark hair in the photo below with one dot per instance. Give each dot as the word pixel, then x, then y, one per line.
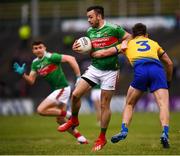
pixel 97 9
pixel 139 29
pixel 37 43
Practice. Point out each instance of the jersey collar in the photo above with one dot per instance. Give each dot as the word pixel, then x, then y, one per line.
pixel 102 25
pixel 43 56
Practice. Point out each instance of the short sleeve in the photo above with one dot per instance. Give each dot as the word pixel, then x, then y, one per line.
pixel 121 32
pixel 160 50
pixel 56 58
pixel 33 67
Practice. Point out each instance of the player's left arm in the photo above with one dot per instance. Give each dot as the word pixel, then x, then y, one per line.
pixel 125 39
pixel 73 63
pixel 168 64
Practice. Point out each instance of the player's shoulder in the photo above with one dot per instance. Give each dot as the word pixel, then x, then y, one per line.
pixel 35 60
pixel 89 29
pixel 112 25
pixel 48 54
pixel 153 41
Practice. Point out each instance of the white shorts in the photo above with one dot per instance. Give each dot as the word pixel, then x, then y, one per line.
pixel 95 94
pixel 106 78
pixel 60 96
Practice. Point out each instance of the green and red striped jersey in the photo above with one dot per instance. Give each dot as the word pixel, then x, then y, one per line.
pixel 107 36
pixel 49 67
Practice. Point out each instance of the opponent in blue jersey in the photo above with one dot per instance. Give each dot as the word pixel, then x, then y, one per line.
pixel 145 55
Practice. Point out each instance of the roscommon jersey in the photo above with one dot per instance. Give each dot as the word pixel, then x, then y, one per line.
pixel 49 67
pixel 107 36
pixel 142 49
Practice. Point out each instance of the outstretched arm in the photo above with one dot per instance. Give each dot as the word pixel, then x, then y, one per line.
pixel 21 71
pixel 31 77
pixel 73 63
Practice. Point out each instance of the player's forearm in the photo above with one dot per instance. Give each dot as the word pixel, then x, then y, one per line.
pixel 104 52
pixel 29 79
pixel 168 64
pixel 74 65
pixel 127 37
pixel 169 70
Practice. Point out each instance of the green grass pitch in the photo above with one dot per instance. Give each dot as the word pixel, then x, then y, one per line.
pixel 36 135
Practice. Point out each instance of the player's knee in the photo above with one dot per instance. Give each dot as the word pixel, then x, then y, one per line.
pixel 40 111
pixel 105 107
pixel 75 97
pixel 131 103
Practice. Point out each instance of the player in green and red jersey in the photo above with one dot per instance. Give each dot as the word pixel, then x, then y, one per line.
pixel 48 66
pixel 102 71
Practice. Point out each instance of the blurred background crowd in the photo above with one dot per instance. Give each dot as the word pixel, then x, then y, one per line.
pixel 58 23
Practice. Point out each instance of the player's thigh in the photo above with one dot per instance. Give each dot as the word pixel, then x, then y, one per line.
pixel 140 79
pixel 157 77
pixel 81 88
pixel 162 97
pixel 57 98
pixel 95 94
pixel 45 104
pixel 133 95
pixel 108 80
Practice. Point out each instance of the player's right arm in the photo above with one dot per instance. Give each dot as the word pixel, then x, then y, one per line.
pixel 107 52
pixel 73 63
pixel 21 71
pixel 30 78
pixel 168 64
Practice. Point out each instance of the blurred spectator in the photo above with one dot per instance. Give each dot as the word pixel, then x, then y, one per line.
pixel 68 41
pixel 177 18
pixel 4 90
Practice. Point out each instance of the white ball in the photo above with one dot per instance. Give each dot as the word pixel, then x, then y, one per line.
pixel 85 45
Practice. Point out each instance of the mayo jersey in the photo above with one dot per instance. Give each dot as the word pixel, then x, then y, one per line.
pixel 142 49
pixel 106 36
pixel 49 67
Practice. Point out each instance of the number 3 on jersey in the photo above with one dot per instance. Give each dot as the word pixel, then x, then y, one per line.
pixel 144 46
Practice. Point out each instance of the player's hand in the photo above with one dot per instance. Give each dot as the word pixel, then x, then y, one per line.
pixel 124 45
pixel 76 46
pixel 19 69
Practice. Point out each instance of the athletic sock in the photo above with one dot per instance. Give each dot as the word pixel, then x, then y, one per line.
pixel 68 114
pixel 63 113
pixel 77 134
pixel 166 130
pixel 124 128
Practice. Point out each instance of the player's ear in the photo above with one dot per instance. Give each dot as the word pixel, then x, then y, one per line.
pixel 147 35
pixel 99 16
pixel 45 48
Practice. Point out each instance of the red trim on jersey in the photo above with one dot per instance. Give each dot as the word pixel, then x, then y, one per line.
pixel 104 42
pixel 47 69
pixel 60 93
